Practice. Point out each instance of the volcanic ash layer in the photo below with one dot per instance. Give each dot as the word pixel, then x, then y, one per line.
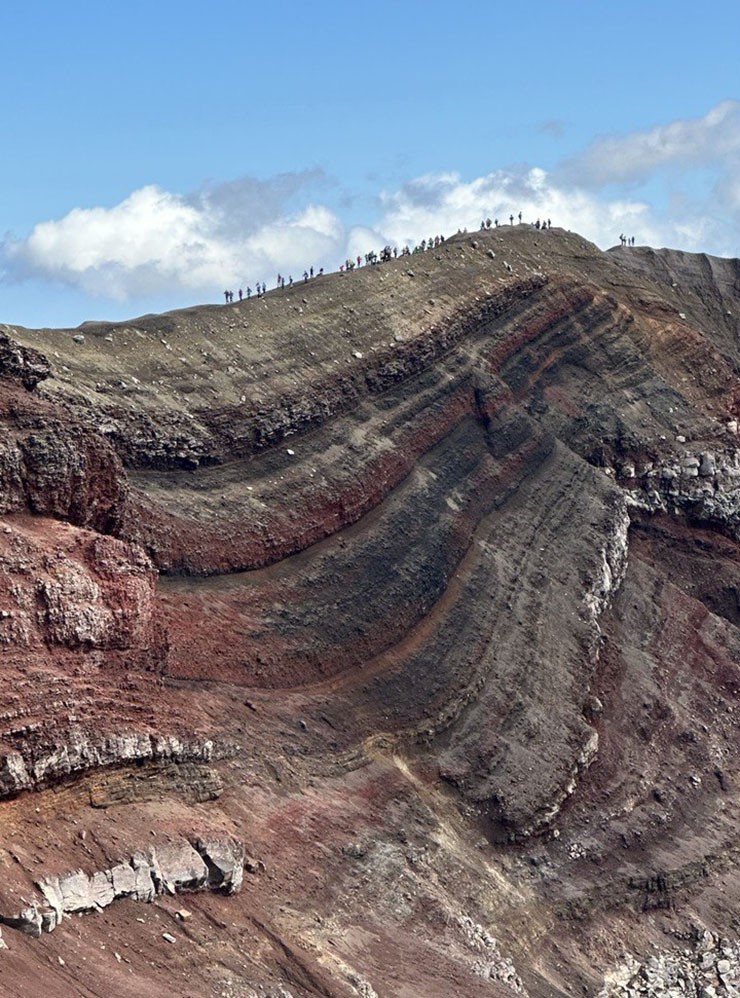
pixel 411 596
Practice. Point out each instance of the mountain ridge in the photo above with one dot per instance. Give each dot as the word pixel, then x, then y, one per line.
pixel 439 557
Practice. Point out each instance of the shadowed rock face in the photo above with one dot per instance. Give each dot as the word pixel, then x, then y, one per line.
pixel 421 583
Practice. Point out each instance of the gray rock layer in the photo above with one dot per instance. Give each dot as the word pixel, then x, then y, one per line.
pixel 175 867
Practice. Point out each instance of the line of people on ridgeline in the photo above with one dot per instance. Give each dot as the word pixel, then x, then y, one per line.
pixel 261 287
pixel 487 223
pixel 391 253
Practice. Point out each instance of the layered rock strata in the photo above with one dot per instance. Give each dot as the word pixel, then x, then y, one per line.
pixel 422 580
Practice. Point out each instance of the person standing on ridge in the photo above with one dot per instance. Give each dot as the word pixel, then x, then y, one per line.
pixel 511 219
pixel 241 296
pixel 520 218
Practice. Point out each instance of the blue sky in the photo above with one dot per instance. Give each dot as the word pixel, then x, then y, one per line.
pixel 155 153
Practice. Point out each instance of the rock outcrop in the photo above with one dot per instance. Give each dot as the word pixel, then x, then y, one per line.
pixel 174 868
pixel 423 582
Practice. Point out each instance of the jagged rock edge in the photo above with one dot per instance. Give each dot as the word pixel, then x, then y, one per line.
pixel 202 863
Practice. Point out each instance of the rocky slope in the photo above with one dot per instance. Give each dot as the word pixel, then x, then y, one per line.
pixel 419 585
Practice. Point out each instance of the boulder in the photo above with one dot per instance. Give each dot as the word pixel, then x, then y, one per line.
pixel 224 858
pixel 176 867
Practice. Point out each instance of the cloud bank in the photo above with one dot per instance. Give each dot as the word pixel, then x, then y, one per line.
pixel 234 234
pixel 713 139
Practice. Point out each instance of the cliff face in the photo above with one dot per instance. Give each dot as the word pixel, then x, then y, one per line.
pixel 420 583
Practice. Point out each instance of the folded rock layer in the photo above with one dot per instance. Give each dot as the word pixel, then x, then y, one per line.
pixel 418 582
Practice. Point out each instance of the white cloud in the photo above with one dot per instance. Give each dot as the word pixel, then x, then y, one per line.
pixel 711 139
pixel 444 203
pixel 155 241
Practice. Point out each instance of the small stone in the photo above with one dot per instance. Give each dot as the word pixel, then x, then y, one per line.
pixel 681 439
pixel 183 914
pixel 291 452
pixel 492 254
pixel 60 960
pixel 355 850
pixel 168 937
pixel 595 706
pixel 357 354
pixel 410 273
pixel 78 338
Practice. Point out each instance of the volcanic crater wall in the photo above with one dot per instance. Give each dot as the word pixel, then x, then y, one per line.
pixel 434 535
